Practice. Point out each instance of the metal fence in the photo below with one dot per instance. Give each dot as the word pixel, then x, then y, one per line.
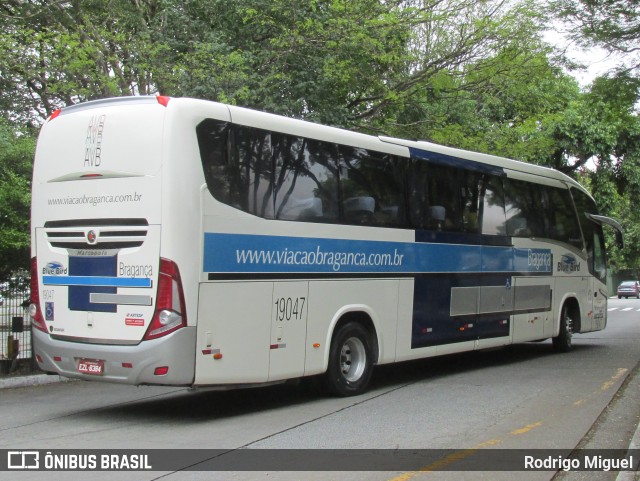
pixel 15 328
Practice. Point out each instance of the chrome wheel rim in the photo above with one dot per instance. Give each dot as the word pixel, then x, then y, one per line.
pixel 353 359
pixel 569 327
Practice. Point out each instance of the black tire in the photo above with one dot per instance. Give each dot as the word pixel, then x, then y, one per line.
pixel 562 342
pixel 350 361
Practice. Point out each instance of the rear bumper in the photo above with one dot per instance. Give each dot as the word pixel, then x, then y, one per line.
pixel 176 351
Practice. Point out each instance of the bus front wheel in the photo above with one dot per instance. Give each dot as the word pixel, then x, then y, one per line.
pixel 350 361
pixel 562 342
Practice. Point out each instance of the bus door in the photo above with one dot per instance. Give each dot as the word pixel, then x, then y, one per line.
pixel 598 289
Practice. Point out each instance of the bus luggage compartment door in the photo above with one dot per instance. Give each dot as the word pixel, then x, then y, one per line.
pixel 532 308
pixel 288 330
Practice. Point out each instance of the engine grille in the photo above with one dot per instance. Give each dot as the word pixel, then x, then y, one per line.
pixel 94 234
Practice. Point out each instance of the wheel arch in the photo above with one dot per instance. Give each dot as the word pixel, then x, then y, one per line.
pixel 356 313
pixel 573 310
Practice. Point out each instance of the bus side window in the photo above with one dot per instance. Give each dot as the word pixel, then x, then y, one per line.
pixel 470 198
pixel 524 209
pixel 419 213
pixel 213 141
pixel 494 221
pixel 253 189
pixel 371 188
pixel 562 218
pixel 593 236
pixel 306 185
pixel 599 257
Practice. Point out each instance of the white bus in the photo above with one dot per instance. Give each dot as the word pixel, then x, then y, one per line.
pixel 185 242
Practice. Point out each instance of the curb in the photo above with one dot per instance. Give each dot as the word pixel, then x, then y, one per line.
pixel 631 475
pixel 33 380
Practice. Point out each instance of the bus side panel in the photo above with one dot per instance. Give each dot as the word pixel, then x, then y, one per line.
pixel 182 192
pixel 234 321
pixel 572 287
pixel 404 351
pixel 600 301
pixel 532 306
pixel 330 300
pixel 287 345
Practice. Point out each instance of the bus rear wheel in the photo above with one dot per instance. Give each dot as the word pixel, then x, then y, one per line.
pixel 350 361
pixel 562 342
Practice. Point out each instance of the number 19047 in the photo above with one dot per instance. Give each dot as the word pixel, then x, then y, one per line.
pixel 290 308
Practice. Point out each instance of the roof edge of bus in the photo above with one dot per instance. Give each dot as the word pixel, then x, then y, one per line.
pixel 137 99
pixel 504 162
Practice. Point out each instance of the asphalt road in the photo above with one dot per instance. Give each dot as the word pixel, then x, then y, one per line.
pixel 523 397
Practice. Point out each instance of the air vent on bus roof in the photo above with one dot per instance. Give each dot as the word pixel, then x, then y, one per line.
pixel 89 234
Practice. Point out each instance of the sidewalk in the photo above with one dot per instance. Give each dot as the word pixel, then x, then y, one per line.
pixel 29 380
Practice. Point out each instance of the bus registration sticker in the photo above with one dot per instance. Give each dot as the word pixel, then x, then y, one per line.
pixel 88 366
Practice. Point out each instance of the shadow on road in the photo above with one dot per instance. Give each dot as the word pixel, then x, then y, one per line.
pixel 201 405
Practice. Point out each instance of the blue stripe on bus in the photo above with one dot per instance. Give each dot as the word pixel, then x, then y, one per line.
pixel 260 254
pixel 79 296
pixel 96 281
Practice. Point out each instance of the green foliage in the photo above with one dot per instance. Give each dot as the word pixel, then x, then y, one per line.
pixel 16 153
pixel 466 73
pixel 611 24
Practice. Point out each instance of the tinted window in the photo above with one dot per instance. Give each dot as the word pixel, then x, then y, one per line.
pixel 306 187
pixel 418 213
pixel 524 209
pixel 237 166
pixel 442 197
pixel 252 157
pixel 469 186
pixel 213 141
pixel 563 224
pixel 371 188
pixel 593 236
pixel 493 216
pixel 274 175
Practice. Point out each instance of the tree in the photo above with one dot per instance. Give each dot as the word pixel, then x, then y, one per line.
pixel 350 64
pixel 16 154
pixel 611 24
pixel 466 73
pixel 54 54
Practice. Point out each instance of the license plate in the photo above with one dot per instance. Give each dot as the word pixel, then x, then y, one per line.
pixel 89 366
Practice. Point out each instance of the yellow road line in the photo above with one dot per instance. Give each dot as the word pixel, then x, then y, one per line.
pixel 458 455
pixel 526 428
pixel 462 454
pixel 607 385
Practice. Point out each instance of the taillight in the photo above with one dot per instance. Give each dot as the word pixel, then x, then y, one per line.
pixel 170 314
pixel 37 320
pixel 55 114
pixel 163 100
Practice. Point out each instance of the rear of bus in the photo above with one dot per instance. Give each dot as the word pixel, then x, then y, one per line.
pixel 107 298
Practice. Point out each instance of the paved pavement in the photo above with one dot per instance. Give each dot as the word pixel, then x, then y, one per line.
pixel 622 412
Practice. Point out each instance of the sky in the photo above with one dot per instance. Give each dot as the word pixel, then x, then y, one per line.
pixel 596 60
